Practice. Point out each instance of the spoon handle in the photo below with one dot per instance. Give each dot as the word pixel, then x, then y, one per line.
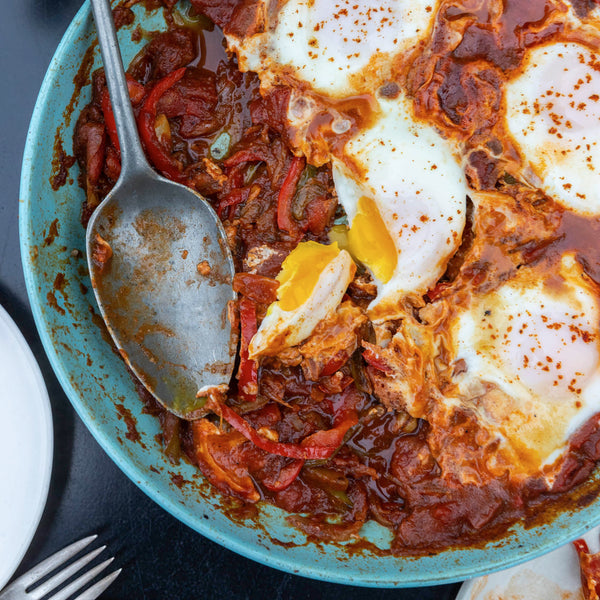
pixel 133 159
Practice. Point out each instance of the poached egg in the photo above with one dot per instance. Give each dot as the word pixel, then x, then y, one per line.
pixel 553 114
pixel 531 350
pixel 312 282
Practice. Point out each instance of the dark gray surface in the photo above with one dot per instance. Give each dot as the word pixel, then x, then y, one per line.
pixel 162 558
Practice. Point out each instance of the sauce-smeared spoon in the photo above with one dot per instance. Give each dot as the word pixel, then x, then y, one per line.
pixel 159 264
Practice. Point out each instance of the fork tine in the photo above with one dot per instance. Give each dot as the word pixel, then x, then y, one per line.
pixel 70 589
pixel 64 574
pixel 93 592
pixel 52 562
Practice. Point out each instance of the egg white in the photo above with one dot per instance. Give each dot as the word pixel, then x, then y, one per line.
pixel 531 350
pixel 418 185
pixel 337 47
pixel 553 113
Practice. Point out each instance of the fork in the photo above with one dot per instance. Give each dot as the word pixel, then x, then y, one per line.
pixel 20 588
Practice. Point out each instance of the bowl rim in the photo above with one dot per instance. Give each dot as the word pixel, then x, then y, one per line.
pixel 317 569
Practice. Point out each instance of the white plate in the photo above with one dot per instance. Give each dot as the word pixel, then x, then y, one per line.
pixel 554 576
pixel 25 446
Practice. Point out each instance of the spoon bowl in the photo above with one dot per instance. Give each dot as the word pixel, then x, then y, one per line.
pixel 160 265
pixel 163 292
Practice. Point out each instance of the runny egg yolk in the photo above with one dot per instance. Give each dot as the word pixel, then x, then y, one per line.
pixel 313 280
pixel 370 242
pixel 300 272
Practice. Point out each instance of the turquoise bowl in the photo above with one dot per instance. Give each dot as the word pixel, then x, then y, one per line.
pixel 102 392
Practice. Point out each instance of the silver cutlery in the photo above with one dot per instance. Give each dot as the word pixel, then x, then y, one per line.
pixel 26 587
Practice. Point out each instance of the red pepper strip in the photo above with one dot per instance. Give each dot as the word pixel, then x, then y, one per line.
pixel 331 439
pixel 234 198
pixel 589 565
pixel 94 150
pixel 581 547
pixel 112 164
pixel 247 373
pixel 235 177
pixel 109 120
pixel 435 292
pixel 285 221
pixel 244 156
pixel 136 93
pixel 285 477
pixel 372 355
pixel 319 445
pixel 319 212
pixel 159 156
pixel 258 288
pixel 335 363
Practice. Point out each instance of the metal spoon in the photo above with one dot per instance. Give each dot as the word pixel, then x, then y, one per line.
pixel 164 291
